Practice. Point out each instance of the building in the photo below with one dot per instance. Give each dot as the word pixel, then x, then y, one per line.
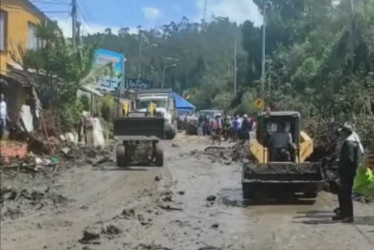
pixel 18 25
pixel 18 22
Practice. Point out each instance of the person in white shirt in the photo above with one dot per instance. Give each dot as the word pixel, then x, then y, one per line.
pixel 3 115
pixel 240 120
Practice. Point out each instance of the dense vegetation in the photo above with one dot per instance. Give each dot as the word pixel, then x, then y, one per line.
pixel 319 61
pixel 313 63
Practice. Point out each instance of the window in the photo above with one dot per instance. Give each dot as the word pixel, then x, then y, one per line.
pixel 32 40
pixel 143 104
pixel 3 17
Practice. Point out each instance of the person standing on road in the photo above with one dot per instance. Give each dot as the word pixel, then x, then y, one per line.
pixel 217 129
pixel 200 124
pixel 3 116
pixel 227 129
pixel 245 129
pixel 206 125
pixel 235 127
pixel 240 122
pixel 348 162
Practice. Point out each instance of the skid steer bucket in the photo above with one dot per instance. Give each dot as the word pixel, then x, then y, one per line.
pixel 282 177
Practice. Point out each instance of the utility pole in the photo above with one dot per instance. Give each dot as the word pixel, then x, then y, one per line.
pixel 140 55
pixel 235 64
pixel 263 51
pixel 164 73
pixel 351 35
pixel 74 22
pixel 163 77
pixel 79 35
pixel 205 9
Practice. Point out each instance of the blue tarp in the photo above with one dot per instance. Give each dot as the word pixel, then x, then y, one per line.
pixel 181 103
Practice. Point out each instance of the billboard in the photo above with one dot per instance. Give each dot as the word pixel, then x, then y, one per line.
pixel 103 57
pixel 132 83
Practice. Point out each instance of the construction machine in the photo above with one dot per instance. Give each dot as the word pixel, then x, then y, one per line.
pixel 273 169
pixel 138 135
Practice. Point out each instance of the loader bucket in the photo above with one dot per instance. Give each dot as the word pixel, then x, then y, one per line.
pixel 282 177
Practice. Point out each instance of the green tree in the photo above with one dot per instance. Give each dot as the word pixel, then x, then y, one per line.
pixel 61 70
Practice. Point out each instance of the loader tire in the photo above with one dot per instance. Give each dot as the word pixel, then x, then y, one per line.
pixel 248 191
pixel 171 134
pixel 159 155
pixel 121 155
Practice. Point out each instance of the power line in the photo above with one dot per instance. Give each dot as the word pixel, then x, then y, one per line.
pixel 51 3
pixel 55 11
pixel 84 16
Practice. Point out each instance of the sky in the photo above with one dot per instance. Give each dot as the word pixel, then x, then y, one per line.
pixel 97 15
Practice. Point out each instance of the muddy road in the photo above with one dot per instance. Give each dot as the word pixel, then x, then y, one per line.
pixel 193 202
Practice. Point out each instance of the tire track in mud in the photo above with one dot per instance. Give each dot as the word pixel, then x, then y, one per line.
pixel 98 203
pixel 225 223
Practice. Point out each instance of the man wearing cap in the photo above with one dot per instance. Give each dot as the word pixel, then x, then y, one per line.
pixel 350 153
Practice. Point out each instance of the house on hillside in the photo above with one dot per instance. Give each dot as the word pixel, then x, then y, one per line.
pixel 18 25
pixel 18 22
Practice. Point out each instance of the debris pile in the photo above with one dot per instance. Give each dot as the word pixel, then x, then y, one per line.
pixel 111 230
pixel 16 156
pixel 166 202
pixel 12 200
pixel 220 154
pixel 11 150
pixel 85 154
pixel 94 234
pixel 90 236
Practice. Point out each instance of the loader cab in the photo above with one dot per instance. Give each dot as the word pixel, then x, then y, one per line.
pixel 271 123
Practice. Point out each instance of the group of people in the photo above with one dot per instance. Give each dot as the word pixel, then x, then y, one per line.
pixel 235 128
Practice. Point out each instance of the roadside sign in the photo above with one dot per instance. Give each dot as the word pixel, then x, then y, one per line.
pixel 132 83
pixel 104 57
pixel 258 103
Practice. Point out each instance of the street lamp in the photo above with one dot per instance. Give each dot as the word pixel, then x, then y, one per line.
pixel 164 73
pixel 141 49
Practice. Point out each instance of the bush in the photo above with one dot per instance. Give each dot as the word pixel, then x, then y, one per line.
pixel 108 108
pixel 85 101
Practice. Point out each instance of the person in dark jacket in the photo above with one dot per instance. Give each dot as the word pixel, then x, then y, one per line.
pixel 348 163
pixel 235 127
pixel 245 129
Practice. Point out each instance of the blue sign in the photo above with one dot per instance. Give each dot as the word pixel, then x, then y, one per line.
pixel 104 57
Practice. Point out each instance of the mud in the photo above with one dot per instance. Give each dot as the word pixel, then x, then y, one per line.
pixel 167 208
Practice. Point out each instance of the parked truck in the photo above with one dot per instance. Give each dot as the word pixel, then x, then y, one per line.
pixel 165 105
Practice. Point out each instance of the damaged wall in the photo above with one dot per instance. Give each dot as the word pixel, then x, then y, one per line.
pixel 15 95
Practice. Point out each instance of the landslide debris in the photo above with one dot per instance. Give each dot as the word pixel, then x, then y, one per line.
pixel 14 201
pixel 220 154
pixel 111 230
pixel 90 236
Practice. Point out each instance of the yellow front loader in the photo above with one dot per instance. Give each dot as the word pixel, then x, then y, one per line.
pixel 271 173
